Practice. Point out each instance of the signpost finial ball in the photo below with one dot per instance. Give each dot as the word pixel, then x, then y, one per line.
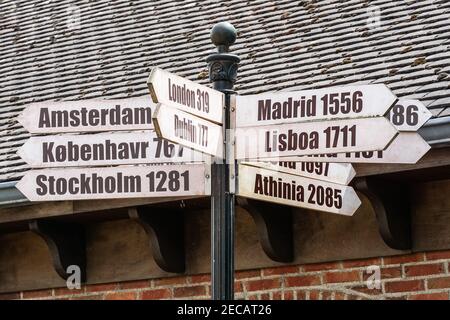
pixel 223 34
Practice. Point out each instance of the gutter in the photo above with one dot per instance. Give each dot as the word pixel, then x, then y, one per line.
pixel 436 132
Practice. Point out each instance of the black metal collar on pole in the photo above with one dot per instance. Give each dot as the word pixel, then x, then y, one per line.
pixel 222 72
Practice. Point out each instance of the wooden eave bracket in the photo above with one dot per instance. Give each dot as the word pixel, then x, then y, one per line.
pixel 391 202
pixel 66 243
pixel 165 230
pixel 274 226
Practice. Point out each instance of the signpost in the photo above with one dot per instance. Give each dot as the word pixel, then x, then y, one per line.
pixel 88 116
pixel 288 189
pixel 314 138
pixel 115 182
pixel 188 130
pixel 103 149
pixel 333 103
pixel 409 115
pixel 174 91
pixel 340 173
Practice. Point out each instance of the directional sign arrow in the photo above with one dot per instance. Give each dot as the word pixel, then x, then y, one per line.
pixel 103 149
pixel 407 148
pixel 174 91
pixel 409 115
pixel 340 173
pixel 88 116
pixel 309 138
pixel 310 105
pixel 115 182
pixel 287 189
pixel 188 130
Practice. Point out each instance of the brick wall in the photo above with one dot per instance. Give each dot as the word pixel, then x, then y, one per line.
pixel 415 276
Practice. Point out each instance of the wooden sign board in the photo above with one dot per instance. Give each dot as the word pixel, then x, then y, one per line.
pixel 177 92
pixel 291 190
pixel 88 116
pixel 409 115
pixel 103 150
pixel 340 173
pixel 115 182
pixel 310 105
pixel 407 148
pixel 188 130
pixel 313 138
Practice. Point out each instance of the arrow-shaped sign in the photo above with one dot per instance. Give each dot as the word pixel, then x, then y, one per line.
pixel 103 149
pixel 310 105
pixel 88 116
pixel 177 92
pixel 340 173
pixel 287 189
pixel 407 148
pixel 409 115
pixel 115 182
pixel 313 138
pixel 188 130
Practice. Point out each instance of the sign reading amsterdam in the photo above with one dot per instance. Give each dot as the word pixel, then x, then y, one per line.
pixel 115 182
pixel 322 104
pixel 103 149
pixel 287 189
pixel 188 130
pixel 340 173
pixel 314 138
pixel 88 116
pixel 174 91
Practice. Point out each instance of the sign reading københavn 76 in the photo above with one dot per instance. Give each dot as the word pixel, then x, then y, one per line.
pixel 319 137
pixel 322 104
pixel 88 116
pixel 103 149
pixel 188 130
pixel 177 92
pixel 115 182
pixel 287 189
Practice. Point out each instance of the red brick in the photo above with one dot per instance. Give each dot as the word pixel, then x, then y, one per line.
pixel 430 296
pixel 439 283
pixel 404 286
pixel 361 263
pixel 101 287
pixel 385 273
pixel 302 281
pixel 280 271
pixel 201 278
pixel 321 266
pixel 189 291
pixel 156 294
pixel 265 284
pixel 301 295
pixel 121 296
pixel 345 276
pixel 88 297
pixel 423 270
pixel 314 295
pixel 247 274
pixel 364 289
pixel 277 296
pixel 327 295
pixel 37 294
pixel 9 296
pixel 252 297
pixel 404 259
pixel 265 296
pixel 170 281
pixel 135 284
pixel 288 295
pixel 238 286
pixel 339 296
pixel 66 291
pixel 437 255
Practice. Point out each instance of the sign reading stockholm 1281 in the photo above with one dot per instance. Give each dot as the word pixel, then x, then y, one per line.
pixel 186 95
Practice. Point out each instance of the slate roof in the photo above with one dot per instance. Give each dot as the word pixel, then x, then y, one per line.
pixel 284 45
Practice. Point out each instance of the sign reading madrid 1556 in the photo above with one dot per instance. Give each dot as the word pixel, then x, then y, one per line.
pixel 314 138
pixel 188 130
pixel 115 182
pixel 88 116
pixel 174 91
pixel 103 149
pixel 322 104
pixel 287 189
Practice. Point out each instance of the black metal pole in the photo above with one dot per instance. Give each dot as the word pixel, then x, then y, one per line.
pixel 222 72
